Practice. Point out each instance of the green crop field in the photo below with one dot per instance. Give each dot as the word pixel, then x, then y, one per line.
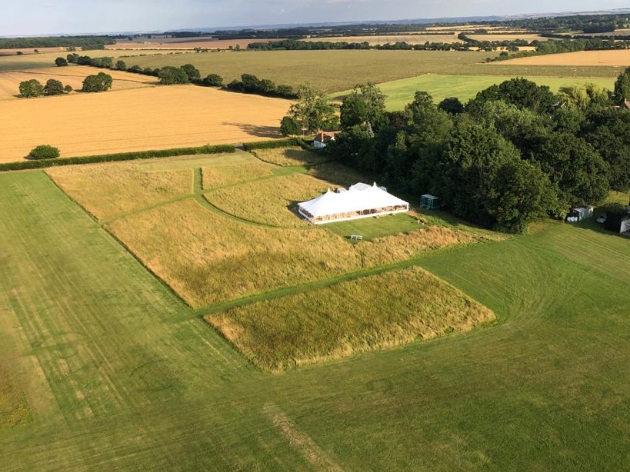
pixel 401 92
pixel 338 70
pixel 104 367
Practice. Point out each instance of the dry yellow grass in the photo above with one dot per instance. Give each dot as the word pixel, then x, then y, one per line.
pixel 289 156
pixel 207 258
pixel 619 58
pixel 192 248
pixel 393 38
pixel 365 314
pixel 183 44
pixel 228 173
pixel 72 75
pixel 500 36
pixel 270 202
pixel 111 189
pixel 134 120
pixel 337 174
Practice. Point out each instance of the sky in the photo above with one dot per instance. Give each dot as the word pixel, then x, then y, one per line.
pixel 40 17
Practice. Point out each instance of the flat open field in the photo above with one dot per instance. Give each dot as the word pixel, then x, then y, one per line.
pixel 139 119
pixel 620 58
pixel 71 75
pixel 401 92
pixel 370 313
pixel 328 70
pixel 393 38
pixel 182 44
pixel 336 71
pixel 13 62
pixel 116 373
pixel 500 36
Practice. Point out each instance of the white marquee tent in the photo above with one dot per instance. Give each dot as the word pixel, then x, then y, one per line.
pixel 359 201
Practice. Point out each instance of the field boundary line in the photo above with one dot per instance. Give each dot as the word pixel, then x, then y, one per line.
pixel 88 212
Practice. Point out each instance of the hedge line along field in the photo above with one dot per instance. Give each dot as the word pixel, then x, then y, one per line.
pixel 401 92
pixel 72 75
pixel 338 70
pixel 116 372
pixel 136 120
pixel 374 312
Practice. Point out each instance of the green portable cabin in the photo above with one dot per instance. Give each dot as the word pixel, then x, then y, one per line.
pixel 430 202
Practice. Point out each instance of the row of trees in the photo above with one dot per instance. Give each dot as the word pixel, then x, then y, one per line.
pixel 70 42
pixel 251 84
pixel 33 88
pixel 515 153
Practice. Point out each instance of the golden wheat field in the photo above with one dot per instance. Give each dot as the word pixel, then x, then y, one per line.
pixel 500 36
pixel 140 119
pixel 393 38
pixel 165 44
pixel 619 58
pixel 349 317
pixel 71 75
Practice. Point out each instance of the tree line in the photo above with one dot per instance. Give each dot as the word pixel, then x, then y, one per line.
pixel 188 73
pixel 83 42
pixel 512 155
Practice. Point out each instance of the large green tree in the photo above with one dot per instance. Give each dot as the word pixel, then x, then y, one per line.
pixel 608 131
pixel 53 87
pixel 622 86
pixel 31 88
pixel 313 111
pixel 170 75
pixel 575 167
pixel 100 82
pixel 365 104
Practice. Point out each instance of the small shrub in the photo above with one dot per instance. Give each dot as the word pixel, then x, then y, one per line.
pixel 44 151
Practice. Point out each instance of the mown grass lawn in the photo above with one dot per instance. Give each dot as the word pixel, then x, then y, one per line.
pixel 401 92
pixel 378 227
pixel 118 373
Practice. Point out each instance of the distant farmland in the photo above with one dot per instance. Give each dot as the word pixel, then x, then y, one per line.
pixel 73 76
pixel 139 119
pixel 619 58
pixel 418 38
pixel 338 70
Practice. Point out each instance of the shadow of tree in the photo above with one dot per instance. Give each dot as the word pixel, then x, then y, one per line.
pixel 258 131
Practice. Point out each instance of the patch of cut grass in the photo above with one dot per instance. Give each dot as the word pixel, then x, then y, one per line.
pixel 111 189
pixel 271 202
pixel 289 156
pixel 374 312
pixel 371 228
pixel 401 92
